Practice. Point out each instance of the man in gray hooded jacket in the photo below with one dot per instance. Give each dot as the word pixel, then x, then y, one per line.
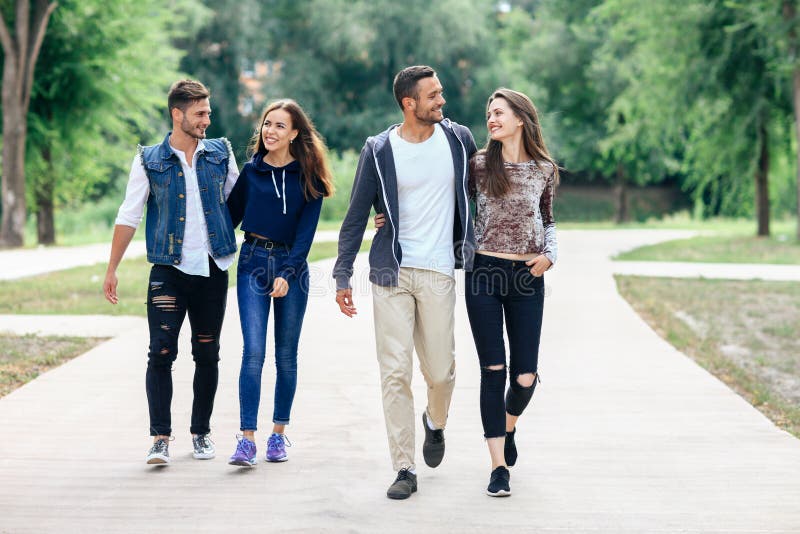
pixel 416 174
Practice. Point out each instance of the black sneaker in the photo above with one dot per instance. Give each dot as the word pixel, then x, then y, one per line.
pixel 510 448
pixel 433 448
pixel 403 486
pixel 498 483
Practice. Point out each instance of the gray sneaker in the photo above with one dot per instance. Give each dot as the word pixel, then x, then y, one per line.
pixel 203 447
pixel 404 485
pixel 159 453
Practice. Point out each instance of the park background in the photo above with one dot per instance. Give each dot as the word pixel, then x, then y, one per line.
pixel 675 123
pixel 652 108
pixel 673 115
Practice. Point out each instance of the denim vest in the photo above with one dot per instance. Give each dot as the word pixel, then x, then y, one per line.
pixel 166 204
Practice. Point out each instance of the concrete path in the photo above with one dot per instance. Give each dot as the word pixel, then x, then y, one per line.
pixel 19 263
pixel 730 271
pixel 624 435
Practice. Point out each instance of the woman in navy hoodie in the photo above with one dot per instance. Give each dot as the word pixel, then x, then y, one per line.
pixel 277 200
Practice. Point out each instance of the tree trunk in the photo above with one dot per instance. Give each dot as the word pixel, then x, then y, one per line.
pixel 789 15
pixel 762 181
pixel 45 219
pixel 21 51
pixel 621 195
pixel 13 186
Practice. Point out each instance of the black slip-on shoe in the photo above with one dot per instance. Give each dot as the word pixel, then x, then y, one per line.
pixel 433 448
pixel 510 448
pixel 403 486
pixel 499 483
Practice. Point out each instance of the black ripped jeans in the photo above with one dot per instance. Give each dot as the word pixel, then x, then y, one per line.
pixel 171 294
pixel 496 289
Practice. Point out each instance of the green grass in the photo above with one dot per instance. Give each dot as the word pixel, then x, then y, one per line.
pixel 719 249
pixel 78 291
pixel 23 358
pixel 723 241
pixel 744 332
pixel 782 229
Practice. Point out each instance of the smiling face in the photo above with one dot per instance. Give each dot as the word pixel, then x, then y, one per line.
pixel 428 104
pixel 277 130
pixel 196 118
pixel 501 121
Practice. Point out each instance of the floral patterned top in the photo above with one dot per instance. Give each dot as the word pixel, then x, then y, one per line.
pixel 521 221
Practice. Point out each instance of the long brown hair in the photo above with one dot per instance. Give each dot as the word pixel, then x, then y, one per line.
pixel 496 182
pixel 309 150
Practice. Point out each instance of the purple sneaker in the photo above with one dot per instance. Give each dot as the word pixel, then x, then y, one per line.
pixel 276 447
pixel 245 454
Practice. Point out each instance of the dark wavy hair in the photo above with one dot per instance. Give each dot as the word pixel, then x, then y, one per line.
pixel 308 148
pixel 496 182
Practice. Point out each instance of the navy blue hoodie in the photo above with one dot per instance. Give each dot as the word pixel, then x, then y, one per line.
pixel 269 201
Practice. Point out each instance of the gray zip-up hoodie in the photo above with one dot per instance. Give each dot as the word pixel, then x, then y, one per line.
pixel 375 185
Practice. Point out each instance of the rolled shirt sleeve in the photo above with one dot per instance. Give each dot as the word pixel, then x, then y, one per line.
pixel 136 194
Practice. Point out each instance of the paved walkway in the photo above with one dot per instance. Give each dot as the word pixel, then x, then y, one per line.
pixel 625 434
pixel 730 271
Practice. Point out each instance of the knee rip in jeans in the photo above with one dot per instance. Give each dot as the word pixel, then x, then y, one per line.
pixel 164 303
pixel 498 367
pixel 205 352
pixel 205 338
pixel 163 357
pixel 527 380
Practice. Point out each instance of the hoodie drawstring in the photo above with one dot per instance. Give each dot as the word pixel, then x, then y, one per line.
pixel 283 187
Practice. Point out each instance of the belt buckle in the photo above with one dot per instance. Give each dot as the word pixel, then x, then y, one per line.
pixel 268 244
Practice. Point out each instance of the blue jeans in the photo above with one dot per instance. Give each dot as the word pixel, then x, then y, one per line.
pixel 256 272
pixel 496 289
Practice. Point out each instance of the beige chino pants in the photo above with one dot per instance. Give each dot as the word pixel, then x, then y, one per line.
pixel 417 314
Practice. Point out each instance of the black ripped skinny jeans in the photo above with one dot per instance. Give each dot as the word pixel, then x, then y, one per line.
pixel 171 295
pixel 496 289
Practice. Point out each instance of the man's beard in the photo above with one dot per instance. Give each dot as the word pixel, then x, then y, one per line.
pixel 187 128
pixel 429 118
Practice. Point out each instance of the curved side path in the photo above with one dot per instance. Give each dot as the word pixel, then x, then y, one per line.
pixel 625 434
pixel 730 271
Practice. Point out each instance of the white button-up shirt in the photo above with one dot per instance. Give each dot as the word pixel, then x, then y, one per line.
pixel 196 247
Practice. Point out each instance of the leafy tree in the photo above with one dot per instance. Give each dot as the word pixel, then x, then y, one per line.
pixel 706 65
pixel 100 87
pixel 20 51
pixel 778 23
pixel 340 57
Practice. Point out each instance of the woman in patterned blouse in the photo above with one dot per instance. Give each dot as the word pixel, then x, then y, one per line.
pixel 512 181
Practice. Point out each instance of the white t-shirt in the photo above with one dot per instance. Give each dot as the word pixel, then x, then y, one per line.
pixel 426 194
pixel 196 246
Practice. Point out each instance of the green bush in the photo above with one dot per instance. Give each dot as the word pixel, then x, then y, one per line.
pixel 344 166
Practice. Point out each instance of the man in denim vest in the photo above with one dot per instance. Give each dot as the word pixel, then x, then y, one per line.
pixel 184 181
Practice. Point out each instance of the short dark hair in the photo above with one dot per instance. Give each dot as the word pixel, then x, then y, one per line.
pixel 405 83
pixel 186 92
